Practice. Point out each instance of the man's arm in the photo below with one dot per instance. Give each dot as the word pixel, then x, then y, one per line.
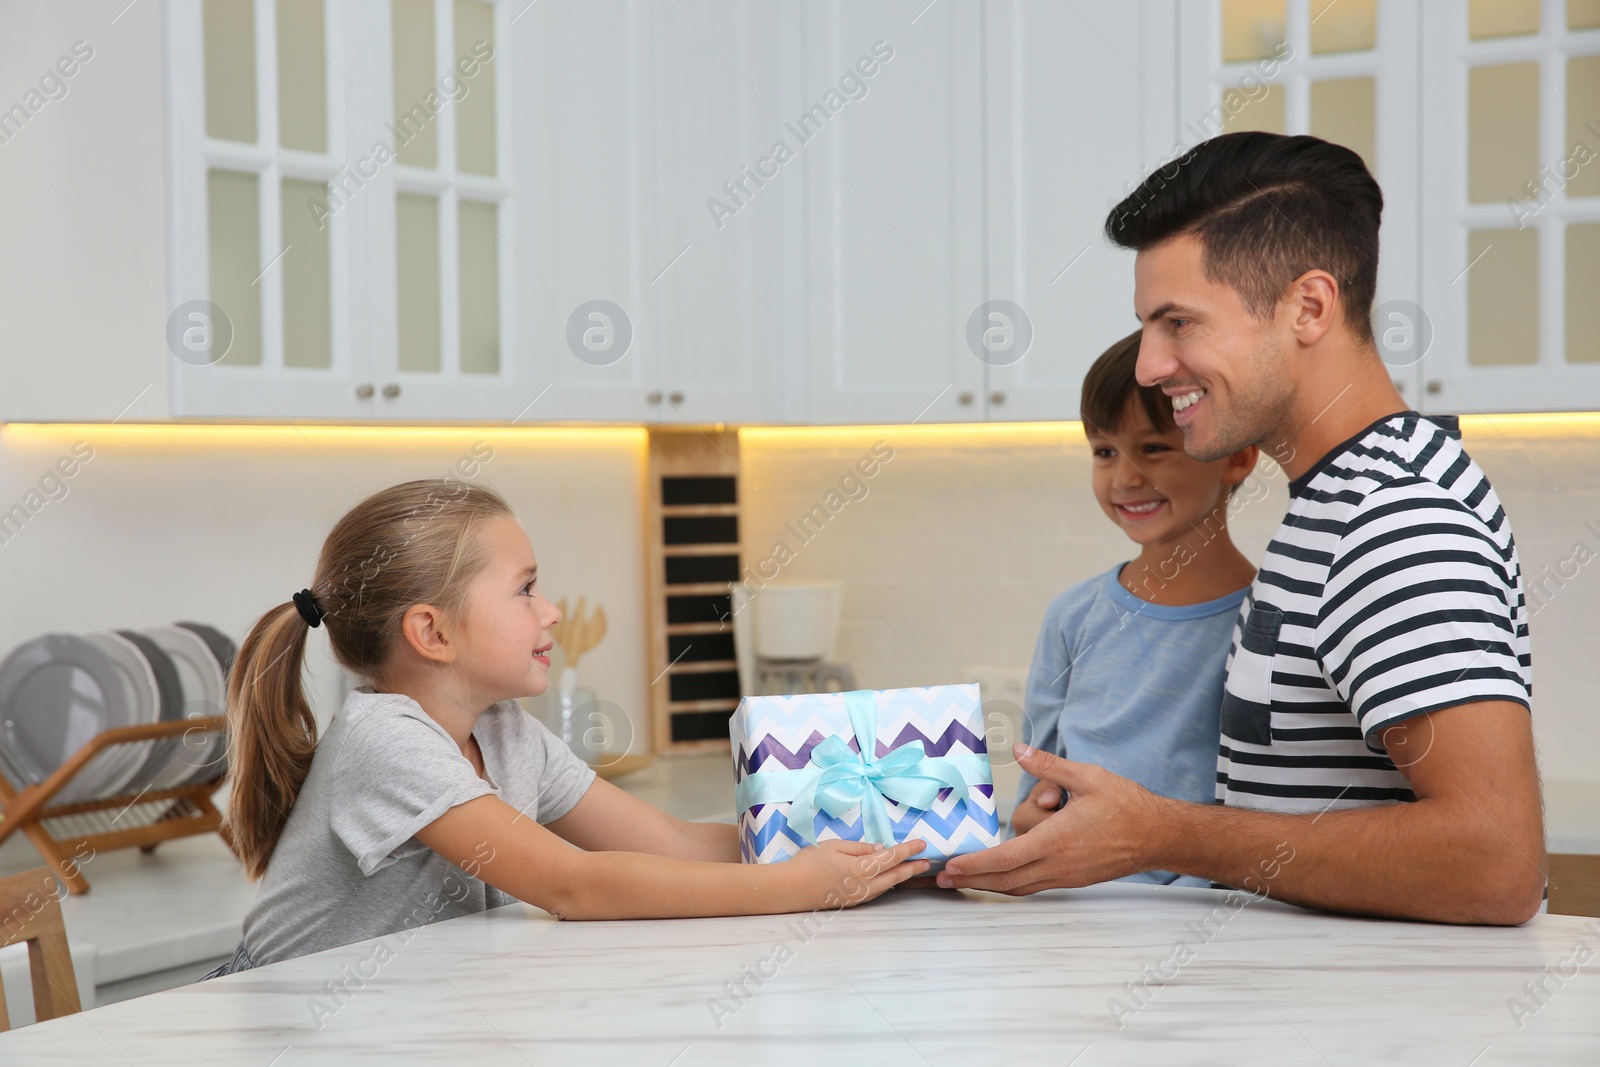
pixel 1469 850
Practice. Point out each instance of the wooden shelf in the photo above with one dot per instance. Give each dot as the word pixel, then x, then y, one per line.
pixel 700 550
pixel 708 666
pixel 676 628
pixel 699 455
pixel 721 704
pixel 697 589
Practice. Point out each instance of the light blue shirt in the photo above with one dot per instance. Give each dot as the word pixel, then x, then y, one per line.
pixel 1134 687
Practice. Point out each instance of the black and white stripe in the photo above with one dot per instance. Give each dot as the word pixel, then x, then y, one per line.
pixel 1391 589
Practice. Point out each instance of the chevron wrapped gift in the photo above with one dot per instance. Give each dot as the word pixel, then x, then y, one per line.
pixel 881 766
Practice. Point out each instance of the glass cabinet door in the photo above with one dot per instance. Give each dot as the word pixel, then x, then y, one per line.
pixel 1511 111
pixel 341 207
pixel 262 293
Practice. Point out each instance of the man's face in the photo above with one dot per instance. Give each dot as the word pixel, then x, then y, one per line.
pixel 1223 368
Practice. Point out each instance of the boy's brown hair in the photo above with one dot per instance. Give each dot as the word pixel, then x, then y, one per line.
pixel 1110 385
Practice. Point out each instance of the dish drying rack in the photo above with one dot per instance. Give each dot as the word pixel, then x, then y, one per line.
pixel 69 834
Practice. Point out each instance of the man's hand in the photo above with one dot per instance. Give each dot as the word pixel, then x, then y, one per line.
pixel 1043 801
pixel 1469 849
pixel 1103 832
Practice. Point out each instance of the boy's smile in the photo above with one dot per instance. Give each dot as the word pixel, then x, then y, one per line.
pixel 1140 510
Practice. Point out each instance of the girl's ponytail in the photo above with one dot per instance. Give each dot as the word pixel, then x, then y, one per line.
pixel 272 735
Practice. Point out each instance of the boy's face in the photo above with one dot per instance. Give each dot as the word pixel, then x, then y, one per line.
pixel 1149 486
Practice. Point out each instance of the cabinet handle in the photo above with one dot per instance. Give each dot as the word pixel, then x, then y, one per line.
pixel 997 398
pixel 964 398
pixel 364 391
pixel 676 398
pixel 1435 386
pixel 391 391
pixel 652 397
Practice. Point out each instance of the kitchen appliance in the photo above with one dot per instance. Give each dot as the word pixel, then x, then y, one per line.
pixel 791 628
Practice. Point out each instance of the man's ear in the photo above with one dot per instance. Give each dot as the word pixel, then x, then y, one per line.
pixel 1237 467
pixel 424 627
pixel 1315 295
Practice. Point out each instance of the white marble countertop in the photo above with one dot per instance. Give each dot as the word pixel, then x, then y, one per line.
pixel 919 977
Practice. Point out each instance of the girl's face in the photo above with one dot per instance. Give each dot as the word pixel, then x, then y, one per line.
pixel 508 621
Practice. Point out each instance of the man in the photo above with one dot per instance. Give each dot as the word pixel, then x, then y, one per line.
pixel 1377 754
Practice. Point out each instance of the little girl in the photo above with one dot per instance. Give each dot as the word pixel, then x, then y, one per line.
pixel 433 794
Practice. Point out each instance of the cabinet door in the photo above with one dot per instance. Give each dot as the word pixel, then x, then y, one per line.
pixel 648 294
pixel 263 294
pixel 888 129
pixel 1511 222
pixel 1080 108
pixel 356 245
pixel 588 312
pixel 448 262
pixel 717 210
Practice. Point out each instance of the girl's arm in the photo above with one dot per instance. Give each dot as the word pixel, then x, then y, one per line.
pixel 607 818
pixel 491 840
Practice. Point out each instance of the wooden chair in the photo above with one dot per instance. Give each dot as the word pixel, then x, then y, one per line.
pixel 31 912
pixel 1574 884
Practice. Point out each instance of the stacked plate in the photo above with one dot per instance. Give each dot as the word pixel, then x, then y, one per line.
pixel 59 690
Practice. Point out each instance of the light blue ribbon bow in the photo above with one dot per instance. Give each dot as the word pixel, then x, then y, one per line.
pixel 838 779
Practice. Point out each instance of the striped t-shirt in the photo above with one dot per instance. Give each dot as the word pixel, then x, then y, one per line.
pixel 1391 589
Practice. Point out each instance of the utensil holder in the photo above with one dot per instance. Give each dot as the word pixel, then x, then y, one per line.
pixel 62 832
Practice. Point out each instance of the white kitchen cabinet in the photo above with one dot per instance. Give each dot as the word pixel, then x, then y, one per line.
pixel 1080 108
pixel 834 281
pixel 893 222
pixel 586 93
pixel 645 111
pixel 343 214
pixel 610 117
pixel 1510 123
pixel 715 284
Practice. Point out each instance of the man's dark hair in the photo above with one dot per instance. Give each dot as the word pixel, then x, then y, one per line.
pixel 1110 385
pixel 1266 208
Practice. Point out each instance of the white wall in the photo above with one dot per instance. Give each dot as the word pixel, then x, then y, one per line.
pixel 220 524
pixel 963 539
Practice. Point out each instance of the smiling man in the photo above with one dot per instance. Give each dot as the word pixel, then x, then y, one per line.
pixel 1376 753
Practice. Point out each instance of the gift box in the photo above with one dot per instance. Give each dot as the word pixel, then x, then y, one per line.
pixel 872 765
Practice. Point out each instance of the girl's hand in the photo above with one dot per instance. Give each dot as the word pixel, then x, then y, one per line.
pixel 842 874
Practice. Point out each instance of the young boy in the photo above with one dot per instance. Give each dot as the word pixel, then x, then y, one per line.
pixel 1129 666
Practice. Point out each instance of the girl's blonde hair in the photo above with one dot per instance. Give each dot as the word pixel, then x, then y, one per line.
pixel 409 544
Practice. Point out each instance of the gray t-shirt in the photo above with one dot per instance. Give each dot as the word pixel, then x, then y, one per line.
pixel 348 867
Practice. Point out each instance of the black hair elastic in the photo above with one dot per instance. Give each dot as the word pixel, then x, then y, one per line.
pixel 310 610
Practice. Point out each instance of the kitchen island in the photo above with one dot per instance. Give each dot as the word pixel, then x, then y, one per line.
pixel 1115 974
